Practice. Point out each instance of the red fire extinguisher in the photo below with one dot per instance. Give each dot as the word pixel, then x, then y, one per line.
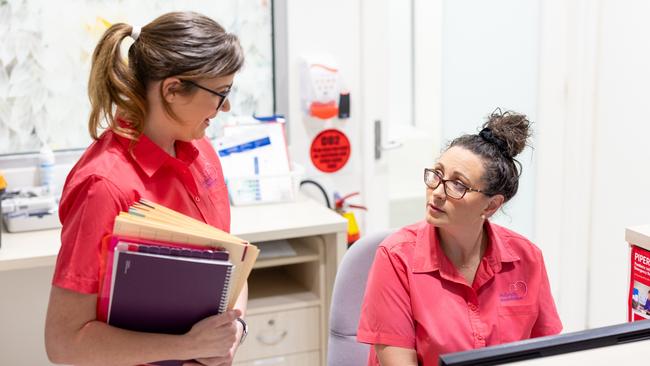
pixel 344 209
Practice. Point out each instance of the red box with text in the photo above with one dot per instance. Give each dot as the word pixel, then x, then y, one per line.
pixel 639 294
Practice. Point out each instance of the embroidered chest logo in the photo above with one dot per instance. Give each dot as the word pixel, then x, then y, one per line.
pixel 516 291
pixel 208 174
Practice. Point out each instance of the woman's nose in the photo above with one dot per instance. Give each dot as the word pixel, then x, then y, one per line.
pixel 439 191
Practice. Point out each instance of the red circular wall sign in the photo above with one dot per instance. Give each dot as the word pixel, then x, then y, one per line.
pixel 330 151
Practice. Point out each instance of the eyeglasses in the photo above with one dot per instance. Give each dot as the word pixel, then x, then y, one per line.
pixel 453 188
pixel 223 96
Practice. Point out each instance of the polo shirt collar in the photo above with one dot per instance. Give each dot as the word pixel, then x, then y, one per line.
pixel 151 157
pixel 429 257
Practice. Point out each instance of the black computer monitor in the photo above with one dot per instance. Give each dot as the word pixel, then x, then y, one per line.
pixel 551 345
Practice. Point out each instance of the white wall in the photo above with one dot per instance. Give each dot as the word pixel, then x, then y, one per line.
pixel 621 173
pixel 589 102
pixel 329 28
pixel 593 140
pixel 490 59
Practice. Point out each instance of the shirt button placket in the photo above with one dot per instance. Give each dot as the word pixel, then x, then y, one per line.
pixel 475 320
pixel 480 341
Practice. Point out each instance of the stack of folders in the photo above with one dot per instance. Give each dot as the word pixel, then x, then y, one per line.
pixel 162 271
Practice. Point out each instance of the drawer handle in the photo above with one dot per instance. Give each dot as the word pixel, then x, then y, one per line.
pixel 271 339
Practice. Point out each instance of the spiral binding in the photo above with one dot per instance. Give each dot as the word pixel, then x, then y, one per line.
pixel 223 304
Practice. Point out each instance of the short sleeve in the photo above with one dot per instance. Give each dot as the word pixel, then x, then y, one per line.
pixel 548 321
pixel 386 316
pixel 87 212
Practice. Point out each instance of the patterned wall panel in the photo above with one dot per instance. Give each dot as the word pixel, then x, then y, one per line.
pixel 45 52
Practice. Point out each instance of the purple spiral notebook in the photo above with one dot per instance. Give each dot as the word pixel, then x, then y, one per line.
pixel 158 290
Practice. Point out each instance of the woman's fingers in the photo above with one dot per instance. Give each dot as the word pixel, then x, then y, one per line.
pixel 226 317
pixel 214 361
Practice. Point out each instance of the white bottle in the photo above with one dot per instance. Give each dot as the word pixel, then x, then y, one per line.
pixel 46 168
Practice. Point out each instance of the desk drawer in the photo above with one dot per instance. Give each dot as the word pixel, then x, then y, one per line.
pixel 281 333
pixel 301 359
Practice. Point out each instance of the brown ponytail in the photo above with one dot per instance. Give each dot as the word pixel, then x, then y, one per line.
pixel 113 86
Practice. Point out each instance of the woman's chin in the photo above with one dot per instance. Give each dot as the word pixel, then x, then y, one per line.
pixel 435 221
pixel 198 134
pixel 435 216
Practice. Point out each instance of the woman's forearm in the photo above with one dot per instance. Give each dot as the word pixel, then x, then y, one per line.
pixel 396 356
pixel 98 343
pixel 73 336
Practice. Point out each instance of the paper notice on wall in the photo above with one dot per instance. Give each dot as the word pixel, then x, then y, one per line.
pixel 639 296
pixel 255 163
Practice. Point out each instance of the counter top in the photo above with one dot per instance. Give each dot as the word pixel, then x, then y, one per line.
pixel 639 236
pixel 254 223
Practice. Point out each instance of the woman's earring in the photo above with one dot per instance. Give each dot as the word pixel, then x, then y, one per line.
pixel 483 216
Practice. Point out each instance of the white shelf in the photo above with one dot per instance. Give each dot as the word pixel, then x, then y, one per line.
pixel 304 254
pixel 271 291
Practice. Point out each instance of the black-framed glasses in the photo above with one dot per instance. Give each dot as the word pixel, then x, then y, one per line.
pixel 453 188
pixel 223 96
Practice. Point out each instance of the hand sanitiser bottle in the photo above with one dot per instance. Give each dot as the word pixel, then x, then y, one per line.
pixel 46 168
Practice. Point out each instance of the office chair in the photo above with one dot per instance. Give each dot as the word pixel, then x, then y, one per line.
pixel 349 288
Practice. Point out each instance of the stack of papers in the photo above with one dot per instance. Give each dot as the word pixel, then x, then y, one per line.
pixel 156 224
pixel 162 271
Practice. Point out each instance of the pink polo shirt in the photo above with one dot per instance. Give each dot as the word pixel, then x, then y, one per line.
pixel 415 297
pixel 109 177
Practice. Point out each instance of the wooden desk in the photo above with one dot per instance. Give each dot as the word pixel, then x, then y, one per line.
pixel 289 297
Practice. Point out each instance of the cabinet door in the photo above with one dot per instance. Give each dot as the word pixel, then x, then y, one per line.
pixel 281 333
pixel 301 359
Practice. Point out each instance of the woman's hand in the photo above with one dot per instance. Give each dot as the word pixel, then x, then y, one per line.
pixel 213 339
pixel 219 361
pixel 226 360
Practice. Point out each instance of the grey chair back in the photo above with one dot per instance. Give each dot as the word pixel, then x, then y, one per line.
pixel 347 296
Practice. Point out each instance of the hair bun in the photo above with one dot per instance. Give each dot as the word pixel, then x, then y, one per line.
pixel 509 131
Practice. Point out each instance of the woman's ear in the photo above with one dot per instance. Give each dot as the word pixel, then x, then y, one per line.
pixel 169 89
pixel 493 205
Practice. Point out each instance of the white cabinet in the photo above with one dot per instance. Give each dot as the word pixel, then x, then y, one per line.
pixel 289 296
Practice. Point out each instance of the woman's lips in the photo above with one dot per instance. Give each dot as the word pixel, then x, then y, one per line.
pixel 435 209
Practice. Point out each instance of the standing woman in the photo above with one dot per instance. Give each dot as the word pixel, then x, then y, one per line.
pixel 156 108
pixel 456 281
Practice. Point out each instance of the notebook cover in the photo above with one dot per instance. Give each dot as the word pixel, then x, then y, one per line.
pixel 107 261
pixel 165 294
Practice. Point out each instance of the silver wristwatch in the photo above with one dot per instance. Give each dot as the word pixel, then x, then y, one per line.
pixel 244 330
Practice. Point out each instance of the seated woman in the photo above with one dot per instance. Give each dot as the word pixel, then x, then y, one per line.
pixel 455 281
